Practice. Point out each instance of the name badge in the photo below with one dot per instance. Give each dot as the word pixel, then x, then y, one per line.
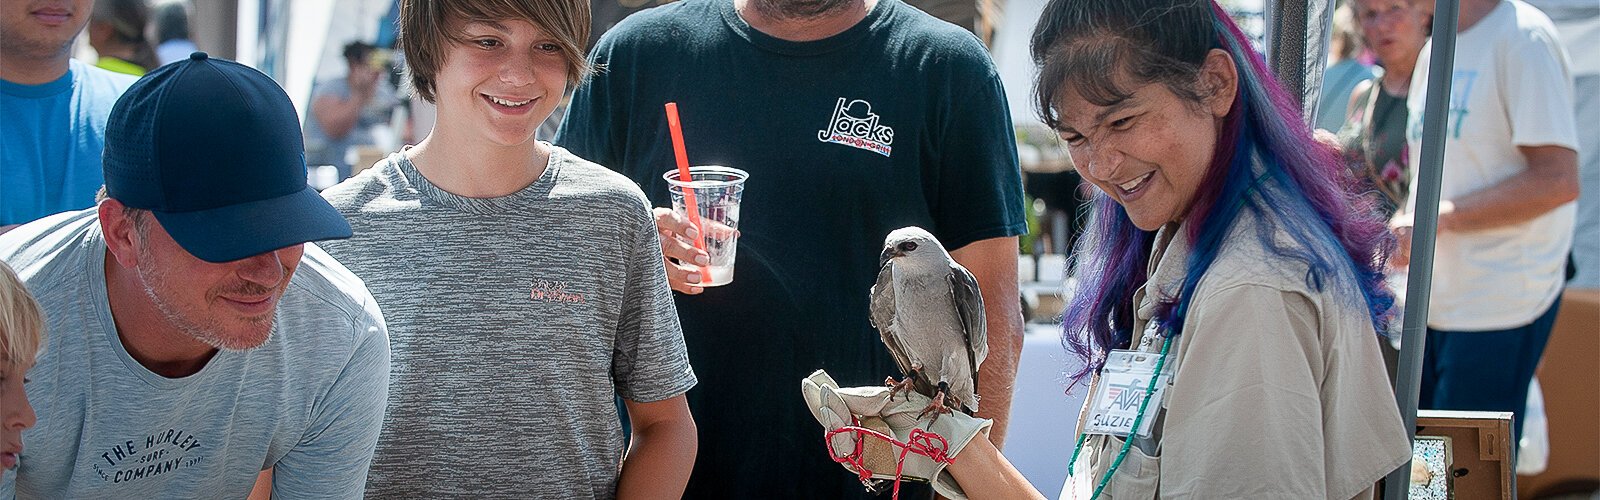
pixel 1124 382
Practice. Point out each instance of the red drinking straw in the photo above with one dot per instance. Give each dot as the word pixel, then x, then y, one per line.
pixel 689 201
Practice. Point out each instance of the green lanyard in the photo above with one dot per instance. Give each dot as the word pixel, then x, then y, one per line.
pixel 1128 441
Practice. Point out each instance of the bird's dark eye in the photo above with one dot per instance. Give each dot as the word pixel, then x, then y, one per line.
pixel 908 246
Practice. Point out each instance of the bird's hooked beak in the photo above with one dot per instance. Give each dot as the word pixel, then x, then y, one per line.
pixel 889 252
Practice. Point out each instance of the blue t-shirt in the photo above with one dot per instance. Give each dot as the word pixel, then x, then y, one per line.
pixel 900 120
pixel 51 137
pixel 309 402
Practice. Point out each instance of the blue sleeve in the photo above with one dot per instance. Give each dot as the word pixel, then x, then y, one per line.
pixel 332 457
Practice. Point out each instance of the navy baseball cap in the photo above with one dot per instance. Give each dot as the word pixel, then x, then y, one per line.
pixel 213 149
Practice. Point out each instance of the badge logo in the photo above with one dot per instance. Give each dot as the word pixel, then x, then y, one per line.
pixel 855 125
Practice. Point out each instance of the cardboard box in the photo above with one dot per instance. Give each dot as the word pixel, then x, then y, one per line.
pixel 1570 376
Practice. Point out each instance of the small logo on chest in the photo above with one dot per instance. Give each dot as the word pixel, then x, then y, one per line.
pixel 855 125
pixel 554 291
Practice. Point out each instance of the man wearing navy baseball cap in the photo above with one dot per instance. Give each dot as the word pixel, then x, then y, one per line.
pixel 198 338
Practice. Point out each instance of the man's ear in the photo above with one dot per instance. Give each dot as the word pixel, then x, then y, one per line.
pixel 121 234
pixel 1219 79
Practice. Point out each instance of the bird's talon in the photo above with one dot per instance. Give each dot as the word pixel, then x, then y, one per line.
pixel 938 406
pixel 897 386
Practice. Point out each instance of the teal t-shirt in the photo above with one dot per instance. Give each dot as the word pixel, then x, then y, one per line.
pixel 900 120
pixel 308 403
pixel 51 138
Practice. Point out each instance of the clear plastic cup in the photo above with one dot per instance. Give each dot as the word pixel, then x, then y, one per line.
pixel 717 191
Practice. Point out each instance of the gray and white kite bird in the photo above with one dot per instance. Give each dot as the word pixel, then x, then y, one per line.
pixel 929 312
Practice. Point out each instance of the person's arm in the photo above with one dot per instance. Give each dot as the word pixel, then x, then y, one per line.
pixel 333 455
pixel 650 367
pixel 1550 182
pixel 1537 98
pixel 338 116
pixel 994 262
pixel 985 474
pixel 263 488
pixel 661 453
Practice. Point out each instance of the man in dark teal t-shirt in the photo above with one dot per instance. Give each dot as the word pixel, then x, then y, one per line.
pixel 853 118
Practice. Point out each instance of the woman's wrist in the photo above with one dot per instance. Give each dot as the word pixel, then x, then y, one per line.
pixel 983 472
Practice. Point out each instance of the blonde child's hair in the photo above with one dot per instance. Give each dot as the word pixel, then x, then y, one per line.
pixel 21 321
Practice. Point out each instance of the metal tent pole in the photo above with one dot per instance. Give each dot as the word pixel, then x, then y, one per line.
pixel 1408 376
pixel 1288 45
pixel 1298 48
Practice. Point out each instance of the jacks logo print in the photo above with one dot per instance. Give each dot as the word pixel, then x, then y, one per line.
pixel 855 125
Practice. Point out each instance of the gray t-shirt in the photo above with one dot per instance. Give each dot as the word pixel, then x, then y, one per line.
pixel 514 320
pixel 309 402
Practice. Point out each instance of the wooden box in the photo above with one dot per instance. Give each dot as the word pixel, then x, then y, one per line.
pixel 1481 454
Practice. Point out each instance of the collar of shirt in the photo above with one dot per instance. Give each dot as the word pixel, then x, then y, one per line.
pixel 1169 262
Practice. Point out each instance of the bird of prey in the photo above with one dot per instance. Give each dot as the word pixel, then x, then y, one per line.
pixel 929 312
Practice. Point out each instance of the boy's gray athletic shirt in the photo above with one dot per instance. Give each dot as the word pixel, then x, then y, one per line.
pixel 309 402
pixel 513 320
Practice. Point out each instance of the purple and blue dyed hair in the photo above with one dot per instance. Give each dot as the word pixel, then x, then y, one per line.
pixel 1266 161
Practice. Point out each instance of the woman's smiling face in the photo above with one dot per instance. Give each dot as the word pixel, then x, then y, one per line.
pixel 1150 151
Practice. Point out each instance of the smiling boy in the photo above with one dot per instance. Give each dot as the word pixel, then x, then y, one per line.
pixel 523 285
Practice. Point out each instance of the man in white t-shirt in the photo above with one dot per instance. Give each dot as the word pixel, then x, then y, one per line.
pixel 1506 210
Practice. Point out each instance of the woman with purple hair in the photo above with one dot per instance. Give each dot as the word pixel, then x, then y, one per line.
pixel 1229 283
